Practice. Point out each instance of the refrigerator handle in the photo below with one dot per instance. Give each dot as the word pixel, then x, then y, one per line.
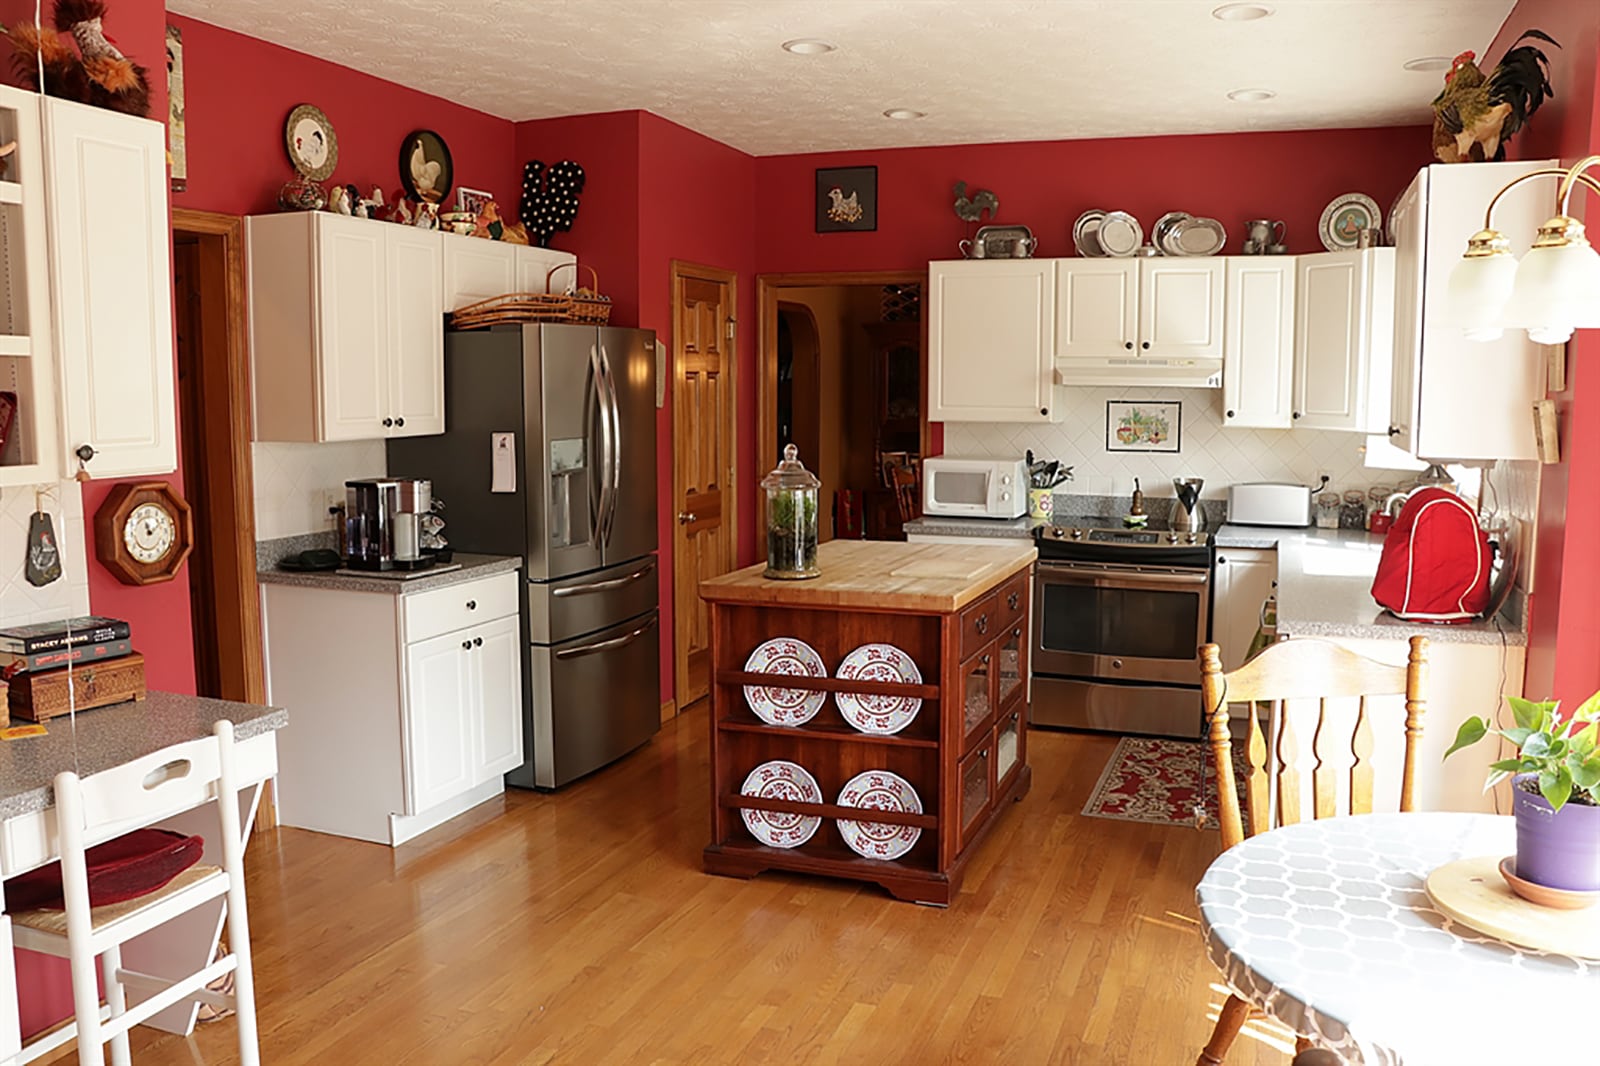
pixel 599 483
pixel 608 645
pixel 616 443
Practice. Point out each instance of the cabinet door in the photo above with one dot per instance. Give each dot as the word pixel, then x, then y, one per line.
pixel 1097 307
pixel 1410 244
pixel 989 342
pixel 1328 372
pixel 975 781
pixel 496 670
pixel 476 269
pixel 439 733
pixel 415 275
pixel 977 697
pixel 1258 342
pixel 352 328
pixel 534 267
pixel 1243 579
pixel 1180 307
pixel 107 176
pixel 1011 671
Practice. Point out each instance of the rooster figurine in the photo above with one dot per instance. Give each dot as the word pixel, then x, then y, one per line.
pixel 971 210
pixel 1475 115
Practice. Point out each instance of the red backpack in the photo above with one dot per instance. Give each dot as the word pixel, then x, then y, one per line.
pixel 1436 561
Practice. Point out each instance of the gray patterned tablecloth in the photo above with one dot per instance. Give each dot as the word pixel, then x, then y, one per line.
pixel 1326 926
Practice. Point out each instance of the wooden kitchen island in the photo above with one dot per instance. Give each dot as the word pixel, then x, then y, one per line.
pixel 961 612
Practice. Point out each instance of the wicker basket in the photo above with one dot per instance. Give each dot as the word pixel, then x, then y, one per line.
pixel 582 307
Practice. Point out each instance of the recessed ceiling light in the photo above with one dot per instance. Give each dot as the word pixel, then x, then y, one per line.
pixel 1251 96
pixel 1241 12
pixel 808 46
pixel 1428 63
pixel 904 112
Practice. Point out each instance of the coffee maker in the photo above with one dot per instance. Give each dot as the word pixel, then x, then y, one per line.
pixel 1187 516
pixel 381 518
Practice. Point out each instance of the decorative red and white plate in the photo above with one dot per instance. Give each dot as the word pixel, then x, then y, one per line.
pixel 879 790
pixel 882 715
pixel 780 780
pixel 785 706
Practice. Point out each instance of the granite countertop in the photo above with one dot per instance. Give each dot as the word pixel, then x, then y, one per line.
pixel 112 736
pixel 472 567
pixel 1325 588
pixel 942 526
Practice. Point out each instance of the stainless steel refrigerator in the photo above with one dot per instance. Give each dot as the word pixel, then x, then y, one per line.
pixel 550 454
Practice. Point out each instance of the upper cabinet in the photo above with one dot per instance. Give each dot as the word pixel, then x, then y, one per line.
pixel 1258 342
pixel 544 269
pixel 991 340
pixel 476 269
pixel 1097 307
pixel 1156 307
pixel 1453 398
pixel 1344 327
pixel 346 325
pixel 111 275
pixel 27 358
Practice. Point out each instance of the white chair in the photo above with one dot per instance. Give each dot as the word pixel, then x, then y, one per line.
pixel 98 808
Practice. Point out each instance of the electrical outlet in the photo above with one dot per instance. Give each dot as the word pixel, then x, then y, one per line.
pixel 333 500
pixel 1325 477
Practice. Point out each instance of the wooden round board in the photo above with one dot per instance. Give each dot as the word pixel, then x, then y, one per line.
pixel 1472 892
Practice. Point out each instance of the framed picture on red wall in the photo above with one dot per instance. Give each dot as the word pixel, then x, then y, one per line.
pixel 847 199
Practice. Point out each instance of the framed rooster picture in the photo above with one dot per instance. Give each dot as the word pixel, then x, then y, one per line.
pixel 847 199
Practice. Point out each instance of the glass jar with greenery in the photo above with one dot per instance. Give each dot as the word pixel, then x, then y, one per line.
pixel 791 519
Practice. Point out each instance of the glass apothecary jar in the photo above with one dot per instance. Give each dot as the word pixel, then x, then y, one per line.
pixel 791 519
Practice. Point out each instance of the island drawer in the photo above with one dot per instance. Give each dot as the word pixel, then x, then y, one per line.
pixel 1013 599
pixel 978 624
pixel 437 611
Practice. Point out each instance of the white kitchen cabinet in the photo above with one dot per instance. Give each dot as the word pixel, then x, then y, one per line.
pixel 1344 337
pixel 1453 398
pixel 346 326
pixel 409 705
pixel 1180 307
pixel 112 282
pixel 990 341
pixel 1242 579
pixel 1097 307
pixel 535 266
pixel 1258 342
pixel 477 269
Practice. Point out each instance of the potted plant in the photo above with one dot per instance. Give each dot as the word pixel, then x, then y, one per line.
pixel 1555 789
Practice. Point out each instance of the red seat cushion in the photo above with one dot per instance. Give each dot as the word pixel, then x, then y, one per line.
pixel 125 868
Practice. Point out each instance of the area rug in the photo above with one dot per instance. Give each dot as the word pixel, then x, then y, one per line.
pixel 1158 782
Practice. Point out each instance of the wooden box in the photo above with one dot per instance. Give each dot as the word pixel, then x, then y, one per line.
pixel 38 697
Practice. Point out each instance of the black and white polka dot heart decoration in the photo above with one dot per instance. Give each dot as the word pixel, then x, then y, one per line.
pixel 550 205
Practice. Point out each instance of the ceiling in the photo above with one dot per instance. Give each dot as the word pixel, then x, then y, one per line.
pixel 982 70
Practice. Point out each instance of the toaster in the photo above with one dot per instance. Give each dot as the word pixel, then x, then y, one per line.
pixel 1267 503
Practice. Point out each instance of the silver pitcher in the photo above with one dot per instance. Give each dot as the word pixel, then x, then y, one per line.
pixel 1187 514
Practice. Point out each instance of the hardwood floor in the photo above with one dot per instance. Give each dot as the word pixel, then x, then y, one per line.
pixel 579 928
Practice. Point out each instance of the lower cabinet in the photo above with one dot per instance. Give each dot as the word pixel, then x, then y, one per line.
pixel 405 708
pixel 1242 580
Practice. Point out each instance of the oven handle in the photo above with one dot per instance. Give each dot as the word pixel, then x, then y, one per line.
pixel 1131 574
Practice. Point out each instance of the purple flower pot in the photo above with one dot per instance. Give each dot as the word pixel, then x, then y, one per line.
pixel 1558 849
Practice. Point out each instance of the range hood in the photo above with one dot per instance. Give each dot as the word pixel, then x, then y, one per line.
pixel 1134 370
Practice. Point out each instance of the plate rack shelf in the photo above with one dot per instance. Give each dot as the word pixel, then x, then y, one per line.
pixel 964 753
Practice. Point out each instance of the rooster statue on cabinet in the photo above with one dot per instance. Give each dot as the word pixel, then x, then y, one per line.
pixel 1476 114
pixel 96 72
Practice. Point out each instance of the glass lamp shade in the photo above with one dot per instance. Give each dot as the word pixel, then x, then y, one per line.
pixel 1557 290
pixel 1477 294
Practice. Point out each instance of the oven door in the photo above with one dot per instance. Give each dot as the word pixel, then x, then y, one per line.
pixel 1120 622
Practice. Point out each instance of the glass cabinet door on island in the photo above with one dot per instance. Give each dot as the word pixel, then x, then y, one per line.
pixel 977 676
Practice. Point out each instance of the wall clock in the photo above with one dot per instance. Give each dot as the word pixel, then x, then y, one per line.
pixel 143 532
pixel 309 137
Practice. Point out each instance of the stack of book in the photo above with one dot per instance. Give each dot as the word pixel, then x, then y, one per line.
pixel 53 668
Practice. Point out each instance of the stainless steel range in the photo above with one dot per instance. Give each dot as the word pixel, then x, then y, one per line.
pixel 1119 618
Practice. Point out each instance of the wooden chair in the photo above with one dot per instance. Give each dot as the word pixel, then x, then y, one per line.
pixel 906 492
pixel 1300 671
pixel 98 808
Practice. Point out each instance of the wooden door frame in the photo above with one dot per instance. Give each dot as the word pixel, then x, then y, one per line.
pixel 768 289
pixel 228 497
pixel 677 271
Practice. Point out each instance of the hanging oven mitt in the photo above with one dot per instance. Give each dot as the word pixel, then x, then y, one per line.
pixel 44 559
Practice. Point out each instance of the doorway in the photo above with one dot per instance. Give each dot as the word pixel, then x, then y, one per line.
pixel 214 438
pixel 840 375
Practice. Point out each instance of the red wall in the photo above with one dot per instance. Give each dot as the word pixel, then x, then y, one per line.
pixel 1564 624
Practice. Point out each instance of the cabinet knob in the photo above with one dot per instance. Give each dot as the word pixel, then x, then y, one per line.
pixel 1013 599
pixel 1017 632
pixel 982 624
pixel 1222 560
pixel 1044 410
pixel 399 421
pixel 984 659
pixel 1395 431
pixel 472 605
pixel 1145 345
pixel 1128 345
pixel 477 642
pixel 387 422
pixel 85 452
pixel 466 645
pixel 1297 414
pixel 1230 414
pixel 1116 664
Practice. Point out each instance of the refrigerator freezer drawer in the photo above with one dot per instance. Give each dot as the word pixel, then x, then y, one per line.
pixel 568 608
pixel 594 700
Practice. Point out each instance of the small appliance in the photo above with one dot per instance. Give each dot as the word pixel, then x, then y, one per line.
pixel 1266 503
pixel 381 516
pixel 1187 515
pixel 974 488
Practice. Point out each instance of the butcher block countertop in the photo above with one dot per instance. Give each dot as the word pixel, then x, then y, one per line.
pixel 887 575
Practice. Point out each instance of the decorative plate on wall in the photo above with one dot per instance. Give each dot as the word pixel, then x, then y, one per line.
pixel 426 170
pixel 313 148
pixel 1344 219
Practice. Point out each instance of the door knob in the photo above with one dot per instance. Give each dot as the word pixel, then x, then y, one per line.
pixel 686 517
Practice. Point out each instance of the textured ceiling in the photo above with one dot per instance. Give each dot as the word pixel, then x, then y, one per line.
pixel 983 70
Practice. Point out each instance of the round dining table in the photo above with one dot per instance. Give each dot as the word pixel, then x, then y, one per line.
pixel 1326 926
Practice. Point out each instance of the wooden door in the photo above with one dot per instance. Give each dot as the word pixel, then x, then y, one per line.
pixel 1097 307
pixel 1180 308
pixel 990 340
pixel 353 325
pixel 1258 342
pixel 703 456
pixel 416 338
pixel 113 288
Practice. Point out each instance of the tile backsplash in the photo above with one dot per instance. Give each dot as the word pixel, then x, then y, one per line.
pixel 294 482
pixel 1207 450
pixel 68 595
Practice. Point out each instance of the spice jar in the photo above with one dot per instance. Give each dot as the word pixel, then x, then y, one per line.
pixel 1377 496
pixel 1353 515
pixel 1328 510
pixel 791 519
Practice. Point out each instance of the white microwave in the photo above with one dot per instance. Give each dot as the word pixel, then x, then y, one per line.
pixel 974 488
